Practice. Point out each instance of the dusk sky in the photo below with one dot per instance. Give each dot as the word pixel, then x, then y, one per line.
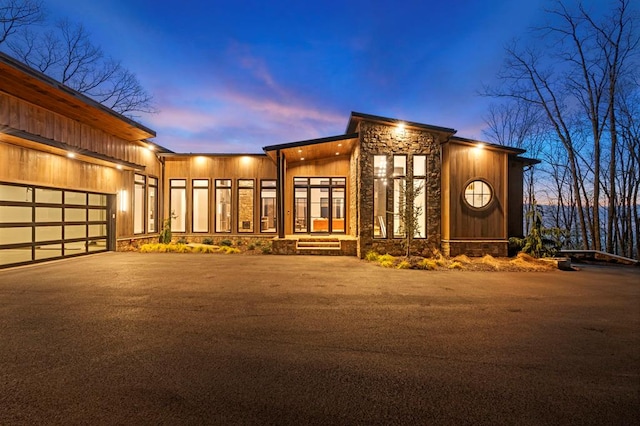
pixel 234 76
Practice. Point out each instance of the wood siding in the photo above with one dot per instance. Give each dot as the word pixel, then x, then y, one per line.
pixel 21 115
pixel 463 164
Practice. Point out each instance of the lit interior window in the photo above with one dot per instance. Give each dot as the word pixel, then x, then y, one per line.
pixel 478 194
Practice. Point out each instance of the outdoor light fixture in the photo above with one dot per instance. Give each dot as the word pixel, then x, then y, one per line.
pixel 119 167
pixel 124 199
pixel 151 147
pixel 301 158
pixel 71 155
pixel 400 129
pixel 200 159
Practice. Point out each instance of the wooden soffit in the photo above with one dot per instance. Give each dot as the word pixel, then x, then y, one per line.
pixel 315 149
pixel 34 87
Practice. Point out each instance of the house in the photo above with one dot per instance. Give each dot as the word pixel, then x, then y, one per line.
pixel 77 178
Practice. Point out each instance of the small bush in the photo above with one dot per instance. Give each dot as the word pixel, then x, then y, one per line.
pixel 456 265
pixel 441 261
pixel 228 250
pixel 462 258
pixel 208 241
pixel 404 265
pixel 226 243
pixel 428 264
pixel 205 249
pixel 266 250
pixel 372 256
pixel 491 261
pixel 258 243
pixel 182 240
pixel 386 260
pixel 251 247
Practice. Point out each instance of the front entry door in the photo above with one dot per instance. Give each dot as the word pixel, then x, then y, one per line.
pixel 319 205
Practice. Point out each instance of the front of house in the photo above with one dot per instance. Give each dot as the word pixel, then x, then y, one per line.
pixel 77 178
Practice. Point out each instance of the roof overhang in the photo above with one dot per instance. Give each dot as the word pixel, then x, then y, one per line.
pixel 21 81
pixel 314 149
pixel 357 117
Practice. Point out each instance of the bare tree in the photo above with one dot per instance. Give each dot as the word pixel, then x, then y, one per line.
pixel 18 14
pixel 575 81
pixel 66 53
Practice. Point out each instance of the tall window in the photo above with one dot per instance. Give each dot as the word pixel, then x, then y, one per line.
pixel 138 203
pixel 152 206
pixel 319 204
pixel 200 205
pixel 178 202
pixel 399 195
pixel 268 206
pixel 420 194
pixel 301 189
pixel 245 205
pixel 380 196
pixel 223 205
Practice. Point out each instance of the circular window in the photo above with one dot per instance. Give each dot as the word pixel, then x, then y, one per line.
pixel 478 194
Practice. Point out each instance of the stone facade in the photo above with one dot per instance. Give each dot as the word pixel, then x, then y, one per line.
pixel 381 139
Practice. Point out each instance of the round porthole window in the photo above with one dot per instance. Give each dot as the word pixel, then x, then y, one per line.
pixel 478 194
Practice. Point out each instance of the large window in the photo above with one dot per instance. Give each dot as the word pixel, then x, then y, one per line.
pixel 152 206
pixel 200 197
pixel 178 202
pixel 319 204
pixel 478 194
pixel 223 205
pixel 380 196
pixel 399 195
pixel 245 205
pixel 420 195
pixel 140 183
pixel 268 206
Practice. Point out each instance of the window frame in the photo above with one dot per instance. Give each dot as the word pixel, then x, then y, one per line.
pixel 485 182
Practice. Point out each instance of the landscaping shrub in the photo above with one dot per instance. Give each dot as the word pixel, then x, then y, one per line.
pixel 372 256
pixel 386 260
pixel 456 265
pixel 207 241
pixel 266 250
pixel 182 240
pixel 427 264
pixel 404 265
pixel 251 247
pixel 491 261
pixel 226 243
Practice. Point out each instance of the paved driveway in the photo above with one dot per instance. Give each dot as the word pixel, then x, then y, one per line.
pixel 127 338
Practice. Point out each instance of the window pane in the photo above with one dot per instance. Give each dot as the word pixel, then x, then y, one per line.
pixel 200 183
pixel 51 250
pixel 268 207
pixel 15 255
pixel 338 210
pixel 245 209
pixel 178 209
pixel 52 196
pixel 75 231
pixel 97 215
pixel 200 209
pixel 96 200
pixel 380 196
pixel 48 214
pixel 245 183
pixel 152 208
pixel 300 181
pixel 300 210
pixel 138 205
pixel 75 215
pixel 48 233
pixel 419 165
pixel 97 230
pixel 399 208
pixel 15 214
pixel 399 165
pixel 75 198
pixel 75 247
pixel 478 194
pixel 15 235
pixel 420 207
pixel 338 181
pixel 15 193
pixel 97 245
pixel 223 209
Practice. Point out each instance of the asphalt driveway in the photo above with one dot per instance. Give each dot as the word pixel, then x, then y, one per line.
pixel 128 338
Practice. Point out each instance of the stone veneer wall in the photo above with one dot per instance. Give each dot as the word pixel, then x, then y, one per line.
pixel 379 139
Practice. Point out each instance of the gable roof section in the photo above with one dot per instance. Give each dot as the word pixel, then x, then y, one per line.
pixel 21 81
pixel 357 117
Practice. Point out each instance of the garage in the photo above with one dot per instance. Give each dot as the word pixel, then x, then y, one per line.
pixel 39 223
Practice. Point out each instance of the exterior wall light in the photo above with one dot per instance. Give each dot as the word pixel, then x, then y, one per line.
pixel 71 155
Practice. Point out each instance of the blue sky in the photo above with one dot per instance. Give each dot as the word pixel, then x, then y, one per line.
pixel 234 76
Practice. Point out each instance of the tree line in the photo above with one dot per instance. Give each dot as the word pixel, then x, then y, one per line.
pixel 570 96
